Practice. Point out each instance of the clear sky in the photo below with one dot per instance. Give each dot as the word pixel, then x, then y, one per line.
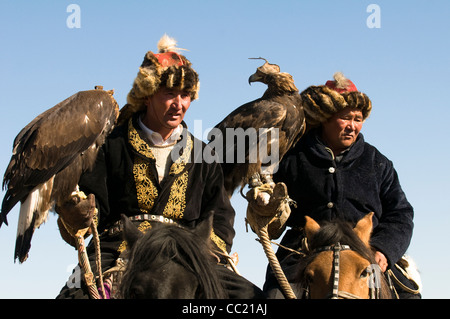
pixel 397 52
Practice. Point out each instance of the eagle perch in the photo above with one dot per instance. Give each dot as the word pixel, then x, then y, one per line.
pixel 280 108
pixel 50 154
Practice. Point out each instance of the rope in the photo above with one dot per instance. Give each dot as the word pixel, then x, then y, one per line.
pixel 86 266
pixel 274 263
pixel 98 259
pixel 298 252
pixel 261 216
pixel 83 259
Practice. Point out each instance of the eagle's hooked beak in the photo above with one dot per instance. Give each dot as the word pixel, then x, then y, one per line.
pixel 254 78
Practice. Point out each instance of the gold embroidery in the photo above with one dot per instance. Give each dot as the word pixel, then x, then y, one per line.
pixel 177 198
pixel 145 185
pixel 143 227
pixel 147 192
pixel 143 177
pixel 122 247
pixel 137 142
pixel 220 243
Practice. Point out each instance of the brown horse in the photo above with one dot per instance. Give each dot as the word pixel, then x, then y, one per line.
pixel 340 262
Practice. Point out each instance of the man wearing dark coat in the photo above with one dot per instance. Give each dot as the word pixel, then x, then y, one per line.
pixel 332 173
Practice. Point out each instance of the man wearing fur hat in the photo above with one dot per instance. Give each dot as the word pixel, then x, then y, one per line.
pixel 149 167
pixel 333 173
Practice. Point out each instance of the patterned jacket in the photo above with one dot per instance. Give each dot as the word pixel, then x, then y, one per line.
pixel 124 181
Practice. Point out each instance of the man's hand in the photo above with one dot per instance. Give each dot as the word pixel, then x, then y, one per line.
pixel 381 260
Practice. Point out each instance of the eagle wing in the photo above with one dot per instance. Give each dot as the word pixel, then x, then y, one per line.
pixel 63 138
pixel 262 113
pixel 278 120
pixel 284 113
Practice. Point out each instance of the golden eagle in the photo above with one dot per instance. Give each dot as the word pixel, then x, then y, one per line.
pixel 276 118
pixel 50 154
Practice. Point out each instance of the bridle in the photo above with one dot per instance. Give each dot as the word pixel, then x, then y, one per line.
pixel 374 282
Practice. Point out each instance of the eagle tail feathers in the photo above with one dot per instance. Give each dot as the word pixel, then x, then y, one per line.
pixel 33 213
pixel 23 242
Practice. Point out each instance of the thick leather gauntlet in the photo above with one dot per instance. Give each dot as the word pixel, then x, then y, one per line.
pixel 273 210
pixel 76 216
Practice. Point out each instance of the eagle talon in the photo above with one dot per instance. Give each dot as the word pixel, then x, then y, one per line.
pixel 255 181
pixel 267 179
pixel 77 196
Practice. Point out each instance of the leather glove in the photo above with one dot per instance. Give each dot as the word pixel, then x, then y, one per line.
pixel 76 216
pixel 269 205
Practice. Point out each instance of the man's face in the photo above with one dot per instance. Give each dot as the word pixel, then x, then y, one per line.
pixel 166 109
pixel 342 129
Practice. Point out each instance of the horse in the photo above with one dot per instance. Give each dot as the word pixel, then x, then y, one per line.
pixel 170 262
pixel 339 262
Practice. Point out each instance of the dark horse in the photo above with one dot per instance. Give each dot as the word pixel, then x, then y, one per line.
pixel 339 262
pixel 170 262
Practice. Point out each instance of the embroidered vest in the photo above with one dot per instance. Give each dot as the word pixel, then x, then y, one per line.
pixel 147 192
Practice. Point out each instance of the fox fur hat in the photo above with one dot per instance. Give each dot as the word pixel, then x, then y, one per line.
pixel 168 68
pixel 321 102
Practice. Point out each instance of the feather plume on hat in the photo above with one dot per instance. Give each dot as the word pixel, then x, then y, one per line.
pixel 340 80
pixel 168 68
pixel 168 44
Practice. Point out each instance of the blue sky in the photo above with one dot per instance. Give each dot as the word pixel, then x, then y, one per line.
pixel 403 66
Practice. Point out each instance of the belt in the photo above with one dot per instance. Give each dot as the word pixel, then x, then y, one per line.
pixel 117 227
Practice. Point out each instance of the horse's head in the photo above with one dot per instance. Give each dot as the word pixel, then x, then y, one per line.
pixel 169 262
pixel 341 263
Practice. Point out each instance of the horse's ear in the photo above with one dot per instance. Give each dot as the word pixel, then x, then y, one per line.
pixel 363 228
pixel 311 228
pixel 130 232
pixel 204 228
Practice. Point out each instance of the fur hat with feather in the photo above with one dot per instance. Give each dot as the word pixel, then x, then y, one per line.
pixel 321 102
pixel 167 68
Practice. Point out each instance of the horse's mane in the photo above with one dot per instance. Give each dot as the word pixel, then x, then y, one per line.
pixel 340 231
pixel 165 242
pixel 330 233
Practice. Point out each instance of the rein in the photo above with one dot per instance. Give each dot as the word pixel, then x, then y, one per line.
pixel 337 248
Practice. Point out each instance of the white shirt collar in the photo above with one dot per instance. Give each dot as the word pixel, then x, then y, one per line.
pixel 156 138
